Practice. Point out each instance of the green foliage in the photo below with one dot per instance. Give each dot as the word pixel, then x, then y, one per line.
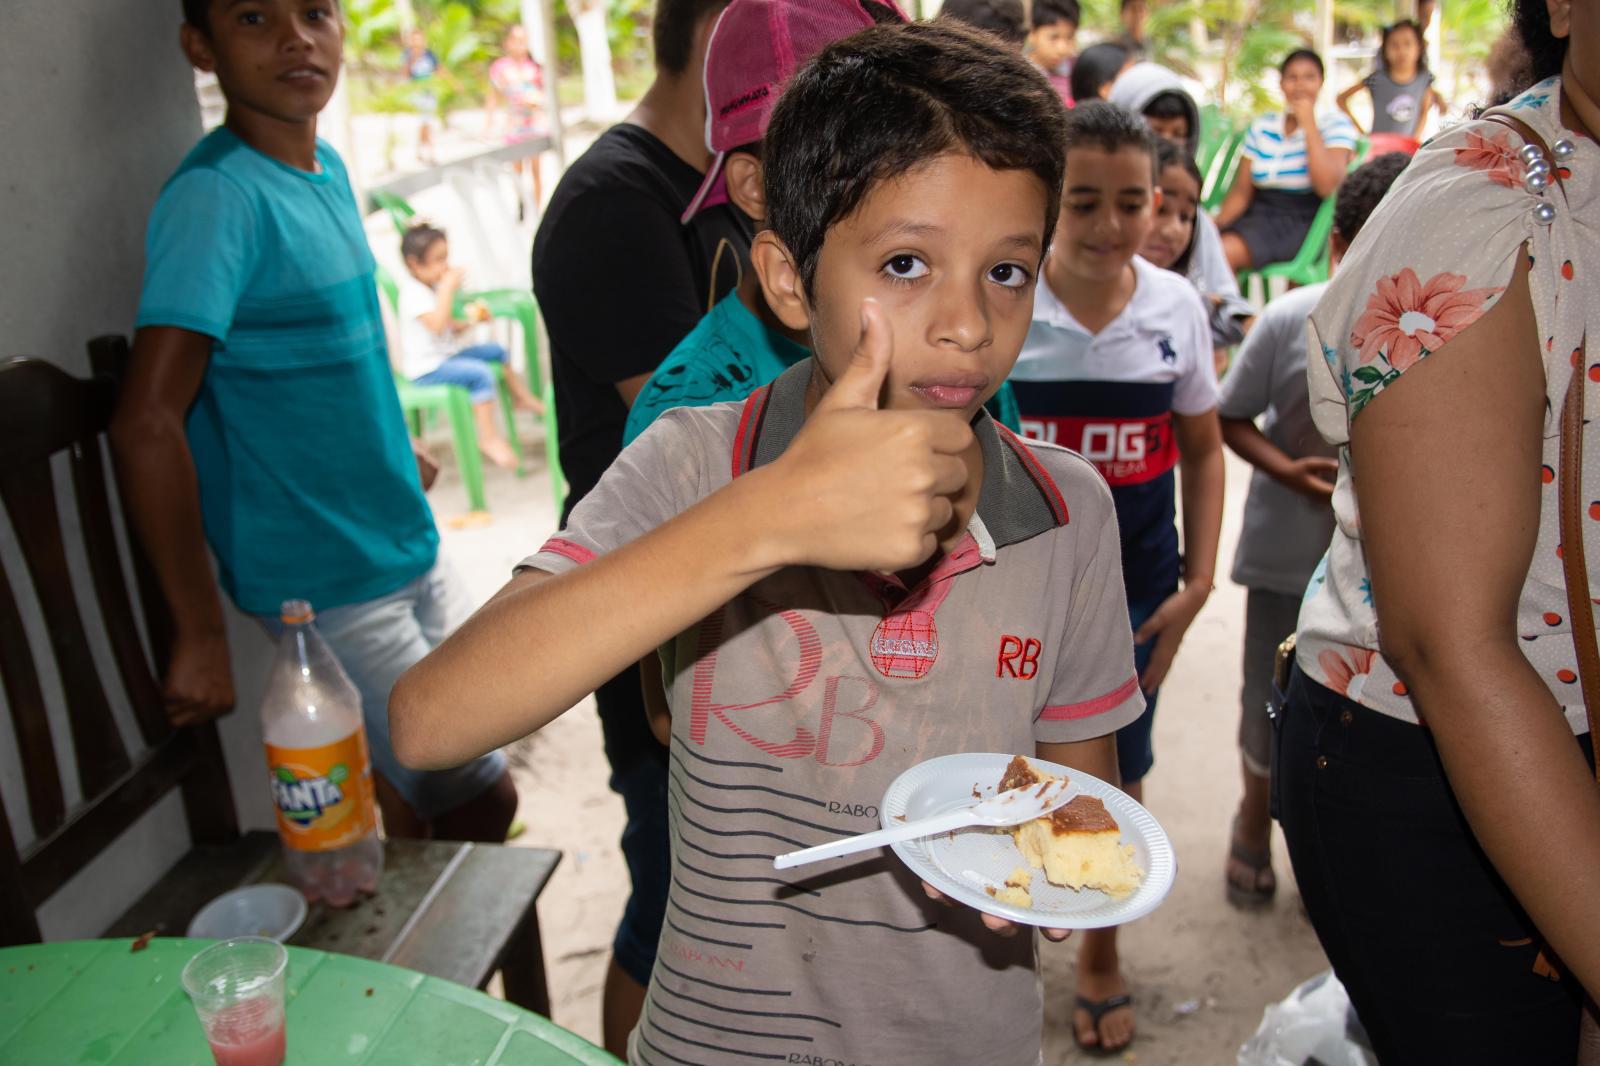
pixel 465 35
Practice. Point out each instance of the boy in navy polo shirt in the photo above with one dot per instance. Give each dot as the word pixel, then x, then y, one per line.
pixel 259 413
pixel 1118 367
pixel 851 572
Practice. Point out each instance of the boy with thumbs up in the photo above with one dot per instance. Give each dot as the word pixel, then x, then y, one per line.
pixel 850 572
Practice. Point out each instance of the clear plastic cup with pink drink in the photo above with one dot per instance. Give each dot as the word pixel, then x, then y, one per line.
pixel 237 988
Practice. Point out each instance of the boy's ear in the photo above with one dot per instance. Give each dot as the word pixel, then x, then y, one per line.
pixel 743 174
pixel 1337 246
pixel 780 280
pixel 196 47
pixel 1560 17
pixel 1157 195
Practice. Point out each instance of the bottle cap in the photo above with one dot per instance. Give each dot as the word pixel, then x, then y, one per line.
pixel 295 612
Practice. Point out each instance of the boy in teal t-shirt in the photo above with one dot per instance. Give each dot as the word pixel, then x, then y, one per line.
pixel 730 353
pixel 259 414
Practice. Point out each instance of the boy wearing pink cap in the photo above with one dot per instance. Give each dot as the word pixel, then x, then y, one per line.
pixel 831 573
pixel 755 48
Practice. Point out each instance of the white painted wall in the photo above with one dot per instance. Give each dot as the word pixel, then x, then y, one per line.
pixel 97 107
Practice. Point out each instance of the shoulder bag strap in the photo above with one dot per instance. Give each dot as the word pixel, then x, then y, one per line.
pixel 1580 609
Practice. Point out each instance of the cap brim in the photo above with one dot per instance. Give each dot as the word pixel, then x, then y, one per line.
pixel 713 189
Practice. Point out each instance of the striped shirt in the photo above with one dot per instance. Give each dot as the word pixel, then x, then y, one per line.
pixel 1278 161
pixel 797 703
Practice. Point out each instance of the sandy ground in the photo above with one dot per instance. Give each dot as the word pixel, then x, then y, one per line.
pixel 1201 971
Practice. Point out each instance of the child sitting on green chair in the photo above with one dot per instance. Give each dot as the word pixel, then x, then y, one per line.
pixel 433 341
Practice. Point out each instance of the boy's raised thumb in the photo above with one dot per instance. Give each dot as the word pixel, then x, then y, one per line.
pixel 861 383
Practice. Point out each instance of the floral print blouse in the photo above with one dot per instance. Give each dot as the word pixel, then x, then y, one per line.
pixel 1435 255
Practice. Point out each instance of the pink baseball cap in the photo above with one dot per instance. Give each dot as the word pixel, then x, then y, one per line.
pixel 755 47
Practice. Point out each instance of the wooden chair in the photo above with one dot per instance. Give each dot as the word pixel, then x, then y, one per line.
pixel 454 910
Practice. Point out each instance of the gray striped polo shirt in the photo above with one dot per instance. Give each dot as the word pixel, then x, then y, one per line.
pixel 797 703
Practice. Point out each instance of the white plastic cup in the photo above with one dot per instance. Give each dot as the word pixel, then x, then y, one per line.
pixel 237 989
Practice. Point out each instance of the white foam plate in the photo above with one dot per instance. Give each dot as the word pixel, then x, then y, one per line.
pixel 963 864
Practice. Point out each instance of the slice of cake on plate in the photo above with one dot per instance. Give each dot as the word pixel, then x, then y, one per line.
pixel 1077 846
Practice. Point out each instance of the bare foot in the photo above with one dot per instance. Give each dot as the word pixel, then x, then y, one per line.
pixel 1251 881
pixel 498 452
pixel 1113 1029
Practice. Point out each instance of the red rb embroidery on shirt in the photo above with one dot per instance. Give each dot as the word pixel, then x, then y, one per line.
pixel 1018 658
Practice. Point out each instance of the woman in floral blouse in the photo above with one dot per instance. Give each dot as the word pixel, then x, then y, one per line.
pixel 1443 825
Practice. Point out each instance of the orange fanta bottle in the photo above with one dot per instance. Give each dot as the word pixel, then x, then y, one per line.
pixel 318 768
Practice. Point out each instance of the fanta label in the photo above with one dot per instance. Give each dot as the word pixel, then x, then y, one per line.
pixel 324 795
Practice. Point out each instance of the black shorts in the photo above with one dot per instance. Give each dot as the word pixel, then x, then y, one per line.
pixel 1275 224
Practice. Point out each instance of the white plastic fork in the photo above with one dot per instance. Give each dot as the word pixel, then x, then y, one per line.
pixel 1012 807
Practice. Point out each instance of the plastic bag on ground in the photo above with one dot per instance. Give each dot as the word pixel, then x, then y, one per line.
pixel 1313 1026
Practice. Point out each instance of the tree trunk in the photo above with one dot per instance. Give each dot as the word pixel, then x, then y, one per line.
pixel 599 88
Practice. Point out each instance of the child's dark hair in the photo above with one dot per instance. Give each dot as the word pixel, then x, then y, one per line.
pixel 875 105
pixel 672 30
pixel 1169 154
pixel 1546 51
pixel 1097 124
pixel 1391 30
pixel 418 238
pixel 1050 12
pixel 197 13
pixel 1096 65
pixel 1170 104
pixel 1361 190
pixel 1309 56
pixel 1003 18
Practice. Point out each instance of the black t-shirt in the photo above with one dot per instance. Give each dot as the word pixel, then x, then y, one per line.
pixel 620 281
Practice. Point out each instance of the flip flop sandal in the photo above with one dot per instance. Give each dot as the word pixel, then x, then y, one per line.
pixel 1259 860
pixel 1097 1009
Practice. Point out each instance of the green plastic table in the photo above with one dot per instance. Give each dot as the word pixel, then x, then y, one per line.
pixel 100 1002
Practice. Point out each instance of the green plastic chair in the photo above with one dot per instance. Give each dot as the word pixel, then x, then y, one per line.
pixel 400 212
pixel 519 306
pixel 1219 176
pixel 1214 132
pixel 1311 263
pixel 452 401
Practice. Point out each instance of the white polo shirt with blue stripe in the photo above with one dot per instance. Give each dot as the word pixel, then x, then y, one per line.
pixel 1278 160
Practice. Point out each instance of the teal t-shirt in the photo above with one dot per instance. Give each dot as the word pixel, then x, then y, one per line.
pixel 728 355
pixel 308 486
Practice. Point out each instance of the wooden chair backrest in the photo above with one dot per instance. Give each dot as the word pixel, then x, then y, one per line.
pixel 46 412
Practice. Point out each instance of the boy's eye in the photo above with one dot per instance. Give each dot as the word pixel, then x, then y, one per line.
pixel 1010 275
pixel 905 267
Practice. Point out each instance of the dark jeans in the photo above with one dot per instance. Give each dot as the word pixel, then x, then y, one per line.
pixel 1437 956
pixel 639 776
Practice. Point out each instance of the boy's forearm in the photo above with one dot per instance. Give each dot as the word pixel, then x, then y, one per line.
pixel 161 492
pixel 544 643
pixel 1096 757
pixel 1202 486
pixel 1251 445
